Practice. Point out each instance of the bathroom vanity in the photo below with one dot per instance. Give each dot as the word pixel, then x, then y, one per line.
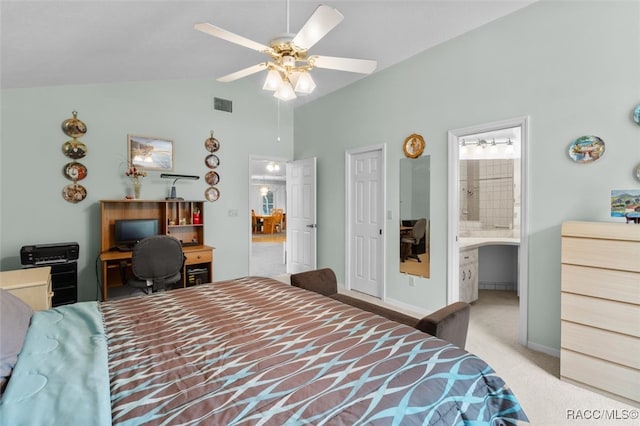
pixel 468 269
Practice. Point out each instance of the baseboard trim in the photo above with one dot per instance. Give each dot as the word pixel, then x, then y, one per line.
pixel 407 307
pixel 544 349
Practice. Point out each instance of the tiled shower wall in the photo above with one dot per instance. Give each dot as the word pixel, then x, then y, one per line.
pixel 488 193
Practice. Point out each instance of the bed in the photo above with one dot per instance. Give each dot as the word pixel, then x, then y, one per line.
pixel 248 351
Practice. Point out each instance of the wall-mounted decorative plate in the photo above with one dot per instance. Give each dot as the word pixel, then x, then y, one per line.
pixel 413 146
pixel 212 193
pixel 212 178
pixel 74 149
pixel 212 144
pixel 74 193
pixel 74 127
pixel 636 114
pixel 586 149
pixel 74 171
pixel 212 161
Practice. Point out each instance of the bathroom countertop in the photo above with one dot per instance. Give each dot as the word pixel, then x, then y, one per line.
pixel 475 242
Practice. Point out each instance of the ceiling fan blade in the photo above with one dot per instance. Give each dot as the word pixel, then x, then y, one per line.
pixel 210 29
pixel 323 20
pixel 243 73
pixel 363 66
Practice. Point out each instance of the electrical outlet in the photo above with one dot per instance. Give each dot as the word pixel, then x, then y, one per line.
pixel 412 282
pixel 233 213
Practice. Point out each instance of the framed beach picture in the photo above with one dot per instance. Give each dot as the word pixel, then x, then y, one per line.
pixel 150 153
pixel 626 203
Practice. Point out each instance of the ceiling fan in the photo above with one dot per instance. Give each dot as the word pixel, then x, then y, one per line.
pixel 290 61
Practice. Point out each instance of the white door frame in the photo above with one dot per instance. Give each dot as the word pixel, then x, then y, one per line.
pixel 348 213
pixel 454 216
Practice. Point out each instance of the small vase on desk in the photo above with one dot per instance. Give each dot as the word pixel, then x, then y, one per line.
pixel 136 188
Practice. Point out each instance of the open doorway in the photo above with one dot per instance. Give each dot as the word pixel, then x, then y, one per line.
pixel 267 216
pixel 488 193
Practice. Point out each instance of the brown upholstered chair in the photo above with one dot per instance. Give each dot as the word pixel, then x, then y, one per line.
pixel 449 323
pixel 321 281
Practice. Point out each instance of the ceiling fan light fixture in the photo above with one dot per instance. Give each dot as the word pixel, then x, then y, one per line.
pixel 273 80
pixel 288 50
pixel 285 91
pixel 304 83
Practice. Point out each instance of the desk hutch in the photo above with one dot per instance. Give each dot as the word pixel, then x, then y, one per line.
pixel 175 219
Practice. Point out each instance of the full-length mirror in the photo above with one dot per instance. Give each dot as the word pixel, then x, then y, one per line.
pixel 414 215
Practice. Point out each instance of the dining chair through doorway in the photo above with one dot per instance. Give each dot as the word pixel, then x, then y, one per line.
pixel 273 223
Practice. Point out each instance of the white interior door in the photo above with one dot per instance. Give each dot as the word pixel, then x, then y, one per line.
pixel 365 203
pixel 301 215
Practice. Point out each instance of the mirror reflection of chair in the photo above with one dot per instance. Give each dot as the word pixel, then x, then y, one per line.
pixel 156 263
pixel 412 239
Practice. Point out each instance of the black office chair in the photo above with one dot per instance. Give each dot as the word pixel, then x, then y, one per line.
pixel 411 239
pixel 156 263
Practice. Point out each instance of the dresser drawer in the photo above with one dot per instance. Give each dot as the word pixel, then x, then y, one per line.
pixel 623 286
pixel 199 256
pixel 606 314
pixel 604 344
pixel 610 377
pixel 608 254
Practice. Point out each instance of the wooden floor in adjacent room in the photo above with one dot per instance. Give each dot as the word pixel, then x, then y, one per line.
pixel 277 237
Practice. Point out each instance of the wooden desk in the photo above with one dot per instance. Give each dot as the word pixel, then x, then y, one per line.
pixel 195 255
pixel 32 285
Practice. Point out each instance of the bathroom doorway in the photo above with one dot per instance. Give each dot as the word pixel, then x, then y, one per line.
pixel 267 217
pixel 487 188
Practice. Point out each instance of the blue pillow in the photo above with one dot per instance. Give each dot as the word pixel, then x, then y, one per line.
pixel 15 316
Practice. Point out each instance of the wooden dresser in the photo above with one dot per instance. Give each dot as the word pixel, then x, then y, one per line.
pixel 600 308
pixel 32 285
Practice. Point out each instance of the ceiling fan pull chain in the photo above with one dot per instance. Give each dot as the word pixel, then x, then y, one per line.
pixel 288 17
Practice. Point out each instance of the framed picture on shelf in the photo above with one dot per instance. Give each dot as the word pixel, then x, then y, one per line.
pixel 150 153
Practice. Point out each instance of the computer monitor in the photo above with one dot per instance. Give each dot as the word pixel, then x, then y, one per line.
pixel 128 232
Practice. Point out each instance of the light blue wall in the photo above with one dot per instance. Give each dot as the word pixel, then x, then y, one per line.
pixel 573 67
pixel 33 211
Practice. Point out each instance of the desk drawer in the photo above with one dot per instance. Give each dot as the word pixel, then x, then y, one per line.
pixel 199 256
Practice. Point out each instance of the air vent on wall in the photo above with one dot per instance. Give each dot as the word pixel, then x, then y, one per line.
pixel 222 105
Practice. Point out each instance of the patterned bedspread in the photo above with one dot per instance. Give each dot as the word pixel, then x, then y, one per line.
pixel 256 351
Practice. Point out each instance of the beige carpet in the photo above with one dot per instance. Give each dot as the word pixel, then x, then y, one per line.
pixel 534 376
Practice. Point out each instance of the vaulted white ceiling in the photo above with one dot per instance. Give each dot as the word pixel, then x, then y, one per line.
pixel 45 43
